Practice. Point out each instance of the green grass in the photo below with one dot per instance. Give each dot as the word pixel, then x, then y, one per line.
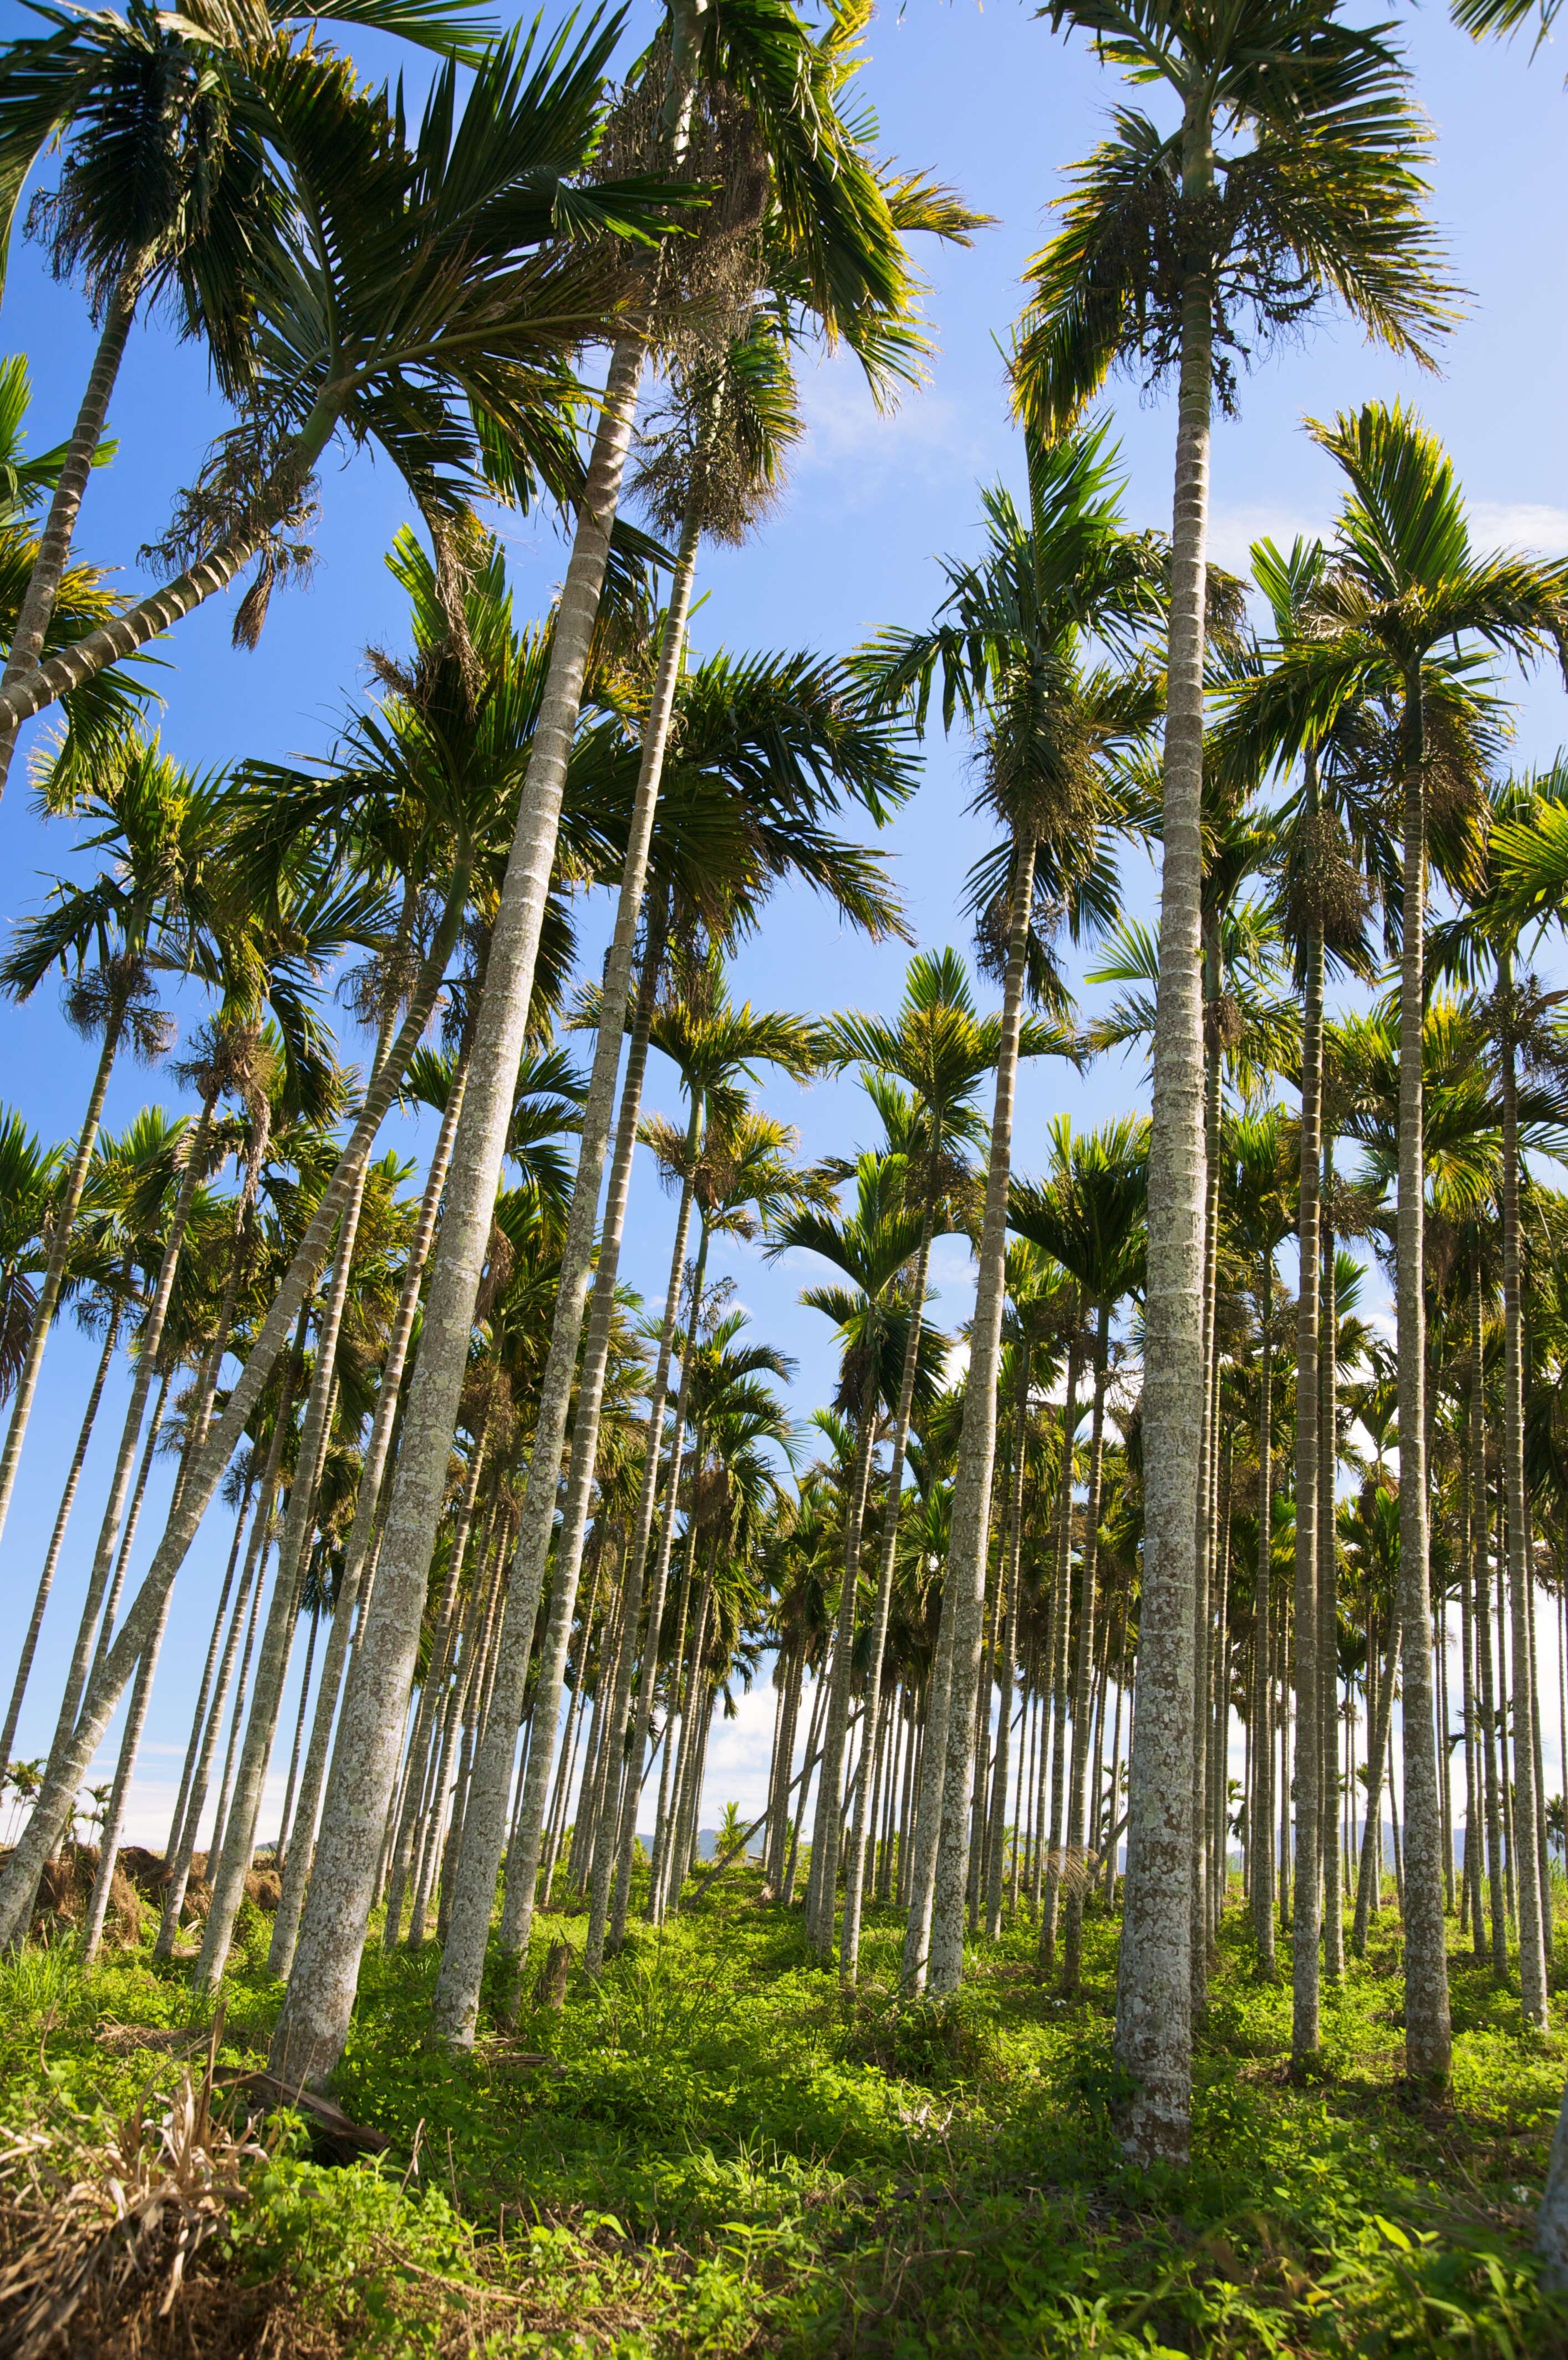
pixel 728 2155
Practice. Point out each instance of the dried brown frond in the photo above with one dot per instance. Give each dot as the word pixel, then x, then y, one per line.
pixel 97 2231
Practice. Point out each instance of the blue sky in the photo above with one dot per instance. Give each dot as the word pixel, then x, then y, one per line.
pixel 991 103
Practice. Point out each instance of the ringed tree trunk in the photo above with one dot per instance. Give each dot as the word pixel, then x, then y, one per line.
pixel 54 1269
pixel 1328 1606
pixel 485 1825
pixel 57 1538
pixel 825 1827
pixel 1428 2038
pixel 52 1811
pixel 1532 1949
pixel 1060 1627
pixel 314 2020
pixel 1265 1869
pixel 1305 2015
pixel 277 1638
pixel 223 1620
pixel 976 1455
pixel 613 1846
pixel 1154 1994
pixel 620 1865
pixel 356 1554
pixel 245 1617
pixel 854 1863
pixel 90 1642
pixel 1077 1798
pixel 59 525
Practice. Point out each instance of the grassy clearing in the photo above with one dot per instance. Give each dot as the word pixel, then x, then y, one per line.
pixel 725 2155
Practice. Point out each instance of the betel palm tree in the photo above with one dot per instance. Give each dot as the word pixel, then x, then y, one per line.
pixel 764 749
pixel 167 198
pixel 1321 907
pixel 1007 641
pixel 1089 1217
pixel 504 257
pixel 157 828
pixel 1523 1039
pixel 872 1247
pixel 848 259
pixel 938 1049
pixel 1405 600
pixel 1317 194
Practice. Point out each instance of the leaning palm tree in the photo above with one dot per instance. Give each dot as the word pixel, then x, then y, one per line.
pixel 168 196
pixel 1006 643
pixel 1170 238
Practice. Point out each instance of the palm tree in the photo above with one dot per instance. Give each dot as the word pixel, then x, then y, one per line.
pixel 872 1247
pixel 841 236
pixel 157 828
pixel 1327 149
pixel 168 194
pixel 940 1049
pixel 765 748
pixel 1007 641
pixel 473 365
pixel 1090 1217
pixel 1404 584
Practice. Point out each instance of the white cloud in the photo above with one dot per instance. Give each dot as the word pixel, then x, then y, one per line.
pixel 927 439
pixel 1233 530
pixel 1520 524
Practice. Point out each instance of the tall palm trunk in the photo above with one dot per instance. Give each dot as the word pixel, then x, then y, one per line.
pixel 474 1893
pixel 1154 1998
pixel 19 1879
pixel 57 1538
pixel 605 1920
pixel 1061 1630
pixel 314 2021
pixel 249 1596
pixel 1077 1800
pixel 1205 1914
pixel 59 1247
pixel 356 1553
pixel 221 1620
pixel 1260 1817
pixel 929 1802
pixel 825 1828
pixel 59 525
pixel 1369 1875
pixel 854 1863
pixel 1328 1611
pixel 976 1454
pixel 1532 1950
pixel 1428 2037
pixel 278 1639
pixel 1305 2020
pixel 119 1794
pixel 149 1338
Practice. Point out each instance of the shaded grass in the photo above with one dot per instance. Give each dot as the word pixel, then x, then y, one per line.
pixel 725 2153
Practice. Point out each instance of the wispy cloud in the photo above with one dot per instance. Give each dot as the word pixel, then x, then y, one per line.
pixel 1233 530
pixel 1520 524
pixel 929 439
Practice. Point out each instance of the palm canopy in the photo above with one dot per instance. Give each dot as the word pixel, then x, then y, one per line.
pixel 1406 600
pixel 1006 645
pixel 1088 1216
pixel 941 1048
pixel 766 750
pixel 1295 172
